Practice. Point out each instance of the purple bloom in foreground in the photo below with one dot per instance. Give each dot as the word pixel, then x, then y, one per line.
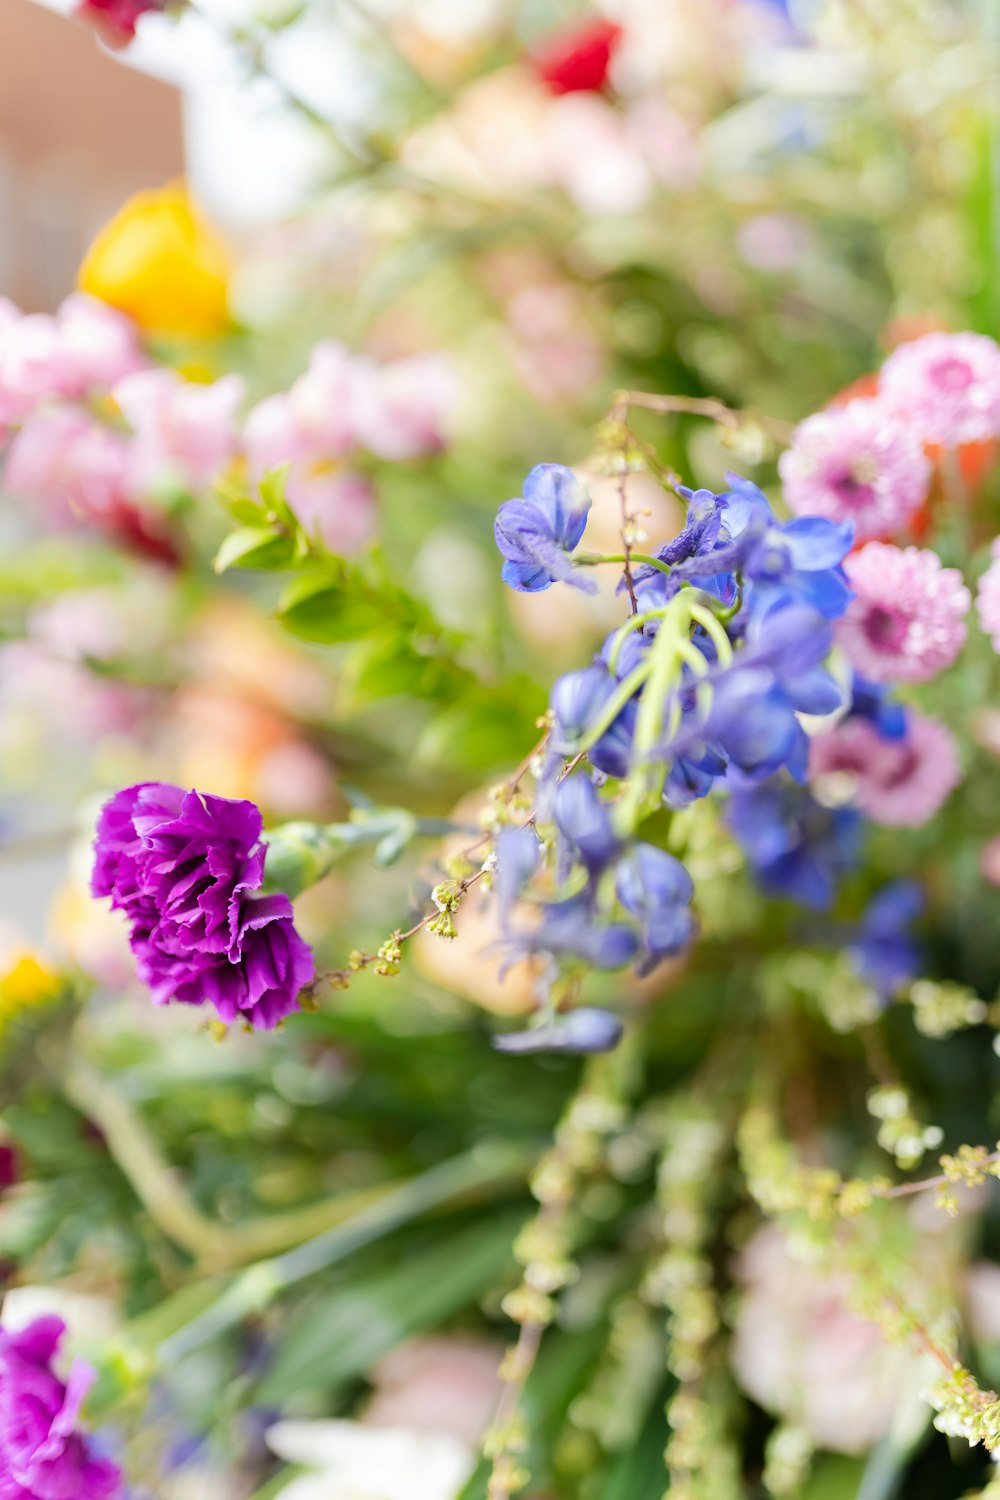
pixel 186 868
pixel 537 533
pixel 42 1454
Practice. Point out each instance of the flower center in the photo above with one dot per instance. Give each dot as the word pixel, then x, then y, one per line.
pixel 952 374
pixel 886 629
pixel 853 484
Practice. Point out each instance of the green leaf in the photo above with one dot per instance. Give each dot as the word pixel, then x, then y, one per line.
pixel 318 608
pixel 339 1336
pixel 254 547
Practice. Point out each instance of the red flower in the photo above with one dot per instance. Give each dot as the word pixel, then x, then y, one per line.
pixel 576 59
pixel 114 20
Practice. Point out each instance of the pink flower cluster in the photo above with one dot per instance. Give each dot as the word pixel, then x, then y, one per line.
pixel 988 597
pixel 906 621
pixel 345 406
pixel 866 461
pixel 157 433
pixel 900 783
pixel 93 429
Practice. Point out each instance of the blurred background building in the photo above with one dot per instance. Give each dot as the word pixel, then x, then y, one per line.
pixel 79 132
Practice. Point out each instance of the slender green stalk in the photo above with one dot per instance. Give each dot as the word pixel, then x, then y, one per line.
pixel 591 559
pixel 625 690
pixel 664 660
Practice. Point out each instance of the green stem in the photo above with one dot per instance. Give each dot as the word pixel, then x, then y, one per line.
pixel 591 559
pixel 634 622
pixel 664 659
pixel 625 690
pixel 482 1170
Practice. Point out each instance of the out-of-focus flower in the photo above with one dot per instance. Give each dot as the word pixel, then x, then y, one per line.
pixel 350 1461
pixel 946 386
pixel 577 58
pixel 584 1031
pixel 883 950
pixel 585 822
pixel 43 1453
pixel 84 348
pixel 184 432
pixel 797 848
pixel 907 619
pixel 536 534
pixel 989 861
pixel 26 980
pixel 159 261
pixel 115 20
pixel 655 888
pixel 185 868
pixel 801 1353
pixel 10 1166
pixel 437 1384
pixel 900 783
pixel 70 465
pixel 988 597
pixel 593 155
pixel 856 463
pixel 773 242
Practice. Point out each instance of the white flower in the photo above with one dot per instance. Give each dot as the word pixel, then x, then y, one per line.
pixel 353 1462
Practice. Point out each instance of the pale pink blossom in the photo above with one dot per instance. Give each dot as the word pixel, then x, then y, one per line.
pixel 401 409
pixel 442 1384
pixel 323 402
pixel 947 386
pixel 31 364
pixel 773 242
pixel 989 861
pixel 856 463
pixel 272 437
pixel 898 783
pixel 335 504
pixel 593 157
pixel 59 698
pixel 98 345
pixel 184 432
pixel 907 619
pixel 801 1353
pixel 68 463
pixel 988 597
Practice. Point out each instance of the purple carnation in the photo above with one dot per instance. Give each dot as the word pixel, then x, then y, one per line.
pixel 42 1455
pixel 186 868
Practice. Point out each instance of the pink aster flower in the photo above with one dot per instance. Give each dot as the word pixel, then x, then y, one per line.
pixel 185 432
pixel 907 619
pixel 947 386
pixel 988 597
pixel 898 783
pixel 856 463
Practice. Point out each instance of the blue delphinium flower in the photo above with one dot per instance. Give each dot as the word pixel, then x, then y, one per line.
pixel 586 1030
pixel 655 888
pixel 537 533
pixel 796 847
pixel 699 536
pixel 870 700
pixel 576 700
pixel 585 823
pixel 883 950
pixel 799 559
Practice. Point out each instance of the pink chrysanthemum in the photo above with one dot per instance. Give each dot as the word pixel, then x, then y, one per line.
pixel 988 597
pixel 899 783
pixel 947 386
pixel 907 618
pixel 856 463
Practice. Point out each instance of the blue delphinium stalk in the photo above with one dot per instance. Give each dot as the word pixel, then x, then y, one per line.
pixel 537 533
pixel 704 686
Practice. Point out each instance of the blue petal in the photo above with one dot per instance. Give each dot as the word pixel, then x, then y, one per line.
pixel 816 543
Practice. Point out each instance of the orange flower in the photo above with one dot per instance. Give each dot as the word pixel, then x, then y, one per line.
pixel 161 262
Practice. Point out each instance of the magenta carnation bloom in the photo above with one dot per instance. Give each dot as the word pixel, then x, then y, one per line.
pixel 856 463
pixel 907 618
pixel 42 1454
pixel 946 386
pixel 186 868
pixel 900 783
pixel 988 597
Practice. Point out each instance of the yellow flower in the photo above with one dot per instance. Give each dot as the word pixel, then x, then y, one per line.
pixel 161 262
pixel 26 983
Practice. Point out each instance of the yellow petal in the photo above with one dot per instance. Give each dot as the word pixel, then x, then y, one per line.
pixel 160 261
pixel 28 982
